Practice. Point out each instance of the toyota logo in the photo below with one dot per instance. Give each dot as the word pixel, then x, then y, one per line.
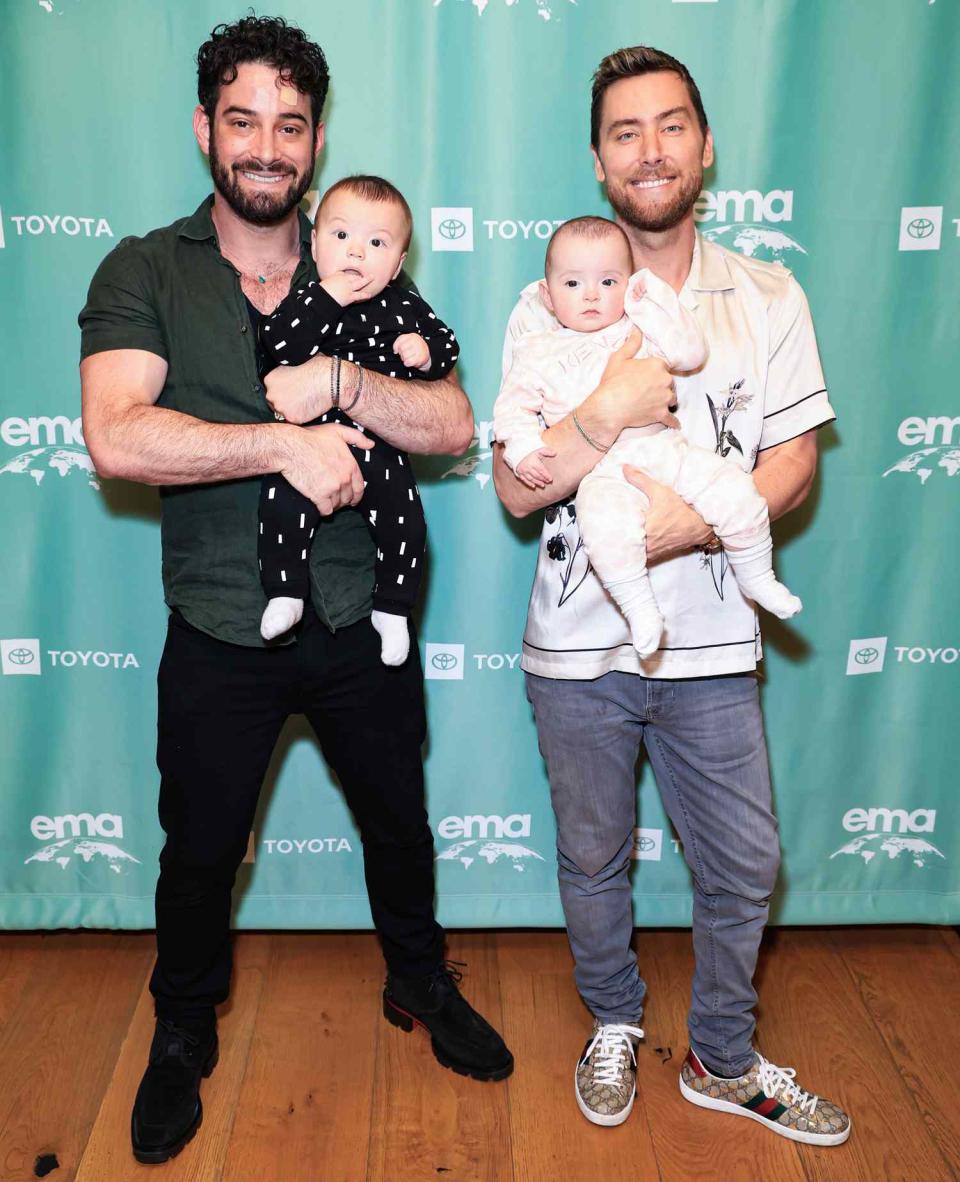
pixel 644 844
pixel 865 656
pixel 20 656
pixel 452 228
pixel 443 661
pixel 920 228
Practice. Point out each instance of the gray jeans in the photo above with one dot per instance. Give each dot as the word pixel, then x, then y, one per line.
pixel 704 739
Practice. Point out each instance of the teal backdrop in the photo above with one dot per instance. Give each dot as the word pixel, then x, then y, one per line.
pixel 837 124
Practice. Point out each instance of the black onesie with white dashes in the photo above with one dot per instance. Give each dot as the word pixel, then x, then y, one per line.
pixel 310 321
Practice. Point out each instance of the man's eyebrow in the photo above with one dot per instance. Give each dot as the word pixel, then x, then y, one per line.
pixel 284 116
pixel 634 122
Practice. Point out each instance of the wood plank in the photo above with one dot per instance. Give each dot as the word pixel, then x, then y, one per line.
pixel 429 1122
pixel 907 979
pixel 19 952
pixel 546 1026
pixel 58 1045
pixel 304 1109
pixel 691 1142
pixel 816 1021
pixel 108 1155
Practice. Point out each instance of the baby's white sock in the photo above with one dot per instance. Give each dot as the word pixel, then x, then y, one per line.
pixel 634 597
pixel 279 616
pixel 754 572
pixel 394 637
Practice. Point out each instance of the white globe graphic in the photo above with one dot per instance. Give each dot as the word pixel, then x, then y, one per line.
pixel 927 461
pixel 66 462
pixel 517 857
pixel 63 852
pixel 756 241
pixel 891 846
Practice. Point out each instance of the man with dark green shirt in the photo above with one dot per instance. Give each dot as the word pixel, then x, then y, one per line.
pixel 172 396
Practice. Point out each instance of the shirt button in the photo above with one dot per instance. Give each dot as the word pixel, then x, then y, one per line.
pixel 243 328
pixel 257 388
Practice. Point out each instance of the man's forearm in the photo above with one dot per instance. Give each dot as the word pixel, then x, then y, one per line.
pixel 574 459
pixel 426 418
pixel 153 445
pixel 784 475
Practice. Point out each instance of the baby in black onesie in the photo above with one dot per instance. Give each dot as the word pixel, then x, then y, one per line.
pixel 358 313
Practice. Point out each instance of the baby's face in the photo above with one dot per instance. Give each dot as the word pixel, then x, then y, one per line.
pixel 364 238
pixel 587 281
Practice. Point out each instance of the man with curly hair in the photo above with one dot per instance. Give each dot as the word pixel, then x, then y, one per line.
pixel 172 396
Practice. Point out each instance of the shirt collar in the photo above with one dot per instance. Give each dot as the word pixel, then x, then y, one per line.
pixel 709 271
pixel 199 226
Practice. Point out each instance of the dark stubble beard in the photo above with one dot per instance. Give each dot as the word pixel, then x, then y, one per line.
pixel 260 209
pixel 626 203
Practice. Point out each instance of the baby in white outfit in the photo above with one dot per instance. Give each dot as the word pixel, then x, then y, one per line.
pixel 596 301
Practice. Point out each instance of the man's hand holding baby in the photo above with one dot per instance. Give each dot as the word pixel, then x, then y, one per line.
pixel 412 350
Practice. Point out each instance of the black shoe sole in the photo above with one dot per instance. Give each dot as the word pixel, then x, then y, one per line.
pixel 406 1022
pixel 156 1157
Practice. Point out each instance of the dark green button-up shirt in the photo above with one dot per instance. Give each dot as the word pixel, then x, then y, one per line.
pixel 172 293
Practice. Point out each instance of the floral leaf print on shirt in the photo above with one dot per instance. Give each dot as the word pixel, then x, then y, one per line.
pixel 721 411
pixel 565 547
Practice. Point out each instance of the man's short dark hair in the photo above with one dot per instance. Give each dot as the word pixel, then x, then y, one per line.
pixel 372 188
pixel 631 63
pixel 268 39
pixel 585 227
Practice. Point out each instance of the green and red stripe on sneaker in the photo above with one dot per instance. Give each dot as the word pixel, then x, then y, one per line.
pixel 768 1094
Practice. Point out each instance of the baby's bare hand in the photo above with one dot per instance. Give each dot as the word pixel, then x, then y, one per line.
pixel 345 287
pixel 532 471
pixel 412 350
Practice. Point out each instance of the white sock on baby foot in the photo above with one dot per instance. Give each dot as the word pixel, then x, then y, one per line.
pixel 753 569
pixel 279 616
pixel 394 637
pixel 636 600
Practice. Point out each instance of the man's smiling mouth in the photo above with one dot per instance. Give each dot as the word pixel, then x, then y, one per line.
pixel 656 183
pixel 265 178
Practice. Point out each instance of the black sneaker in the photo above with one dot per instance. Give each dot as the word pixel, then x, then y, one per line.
pixel 462 1040
pixel 167 1111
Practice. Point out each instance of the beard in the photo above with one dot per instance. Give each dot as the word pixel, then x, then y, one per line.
pixel 626 202
pixel 269 207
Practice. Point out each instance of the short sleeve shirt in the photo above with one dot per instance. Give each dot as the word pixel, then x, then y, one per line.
pixel 172 293
pixel 761 386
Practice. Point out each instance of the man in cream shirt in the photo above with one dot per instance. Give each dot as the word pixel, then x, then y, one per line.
pixel 694 704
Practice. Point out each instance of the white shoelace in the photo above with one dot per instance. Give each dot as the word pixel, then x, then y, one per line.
pixel 773 1079
pixel 606 1052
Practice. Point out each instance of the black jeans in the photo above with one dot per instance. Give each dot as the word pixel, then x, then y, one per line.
pixel 221 708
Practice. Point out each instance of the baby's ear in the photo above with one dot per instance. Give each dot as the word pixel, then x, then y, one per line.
pixel 545 295
pixel 399 267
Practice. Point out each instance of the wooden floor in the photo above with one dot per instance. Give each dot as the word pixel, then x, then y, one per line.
pixel 314 1085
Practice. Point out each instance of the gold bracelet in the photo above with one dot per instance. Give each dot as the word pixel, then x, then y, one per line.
pixel 589 438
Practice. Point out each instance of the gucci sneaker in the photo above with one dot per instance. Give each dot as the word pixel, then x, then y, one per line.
pixel 768 1094
pixel 606 1076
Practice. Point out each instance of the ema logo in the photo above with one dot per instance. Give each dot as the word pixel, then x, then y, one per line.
pixel 483 838
pixel 747 217
pixel 452 227
pixel 866 656
pixel 443 662
pixel 920 227
pixel 20 656
pixel 544 8
pixel 69 843
pixel 940 453
pixel 882 832
pixel 479 455
pixel 53 444
pixel 647 845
